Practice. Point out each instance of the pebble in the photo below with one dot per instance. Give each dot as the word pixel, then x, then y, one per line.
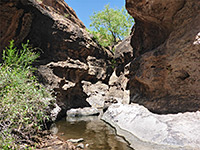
pixel 81 145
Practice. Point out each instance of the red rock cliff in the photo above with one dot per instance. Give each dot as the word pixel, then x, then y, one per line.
pixel 165 74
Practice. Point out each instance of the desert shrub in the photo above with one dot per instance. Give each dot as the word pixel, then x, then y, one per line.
pixel 23 101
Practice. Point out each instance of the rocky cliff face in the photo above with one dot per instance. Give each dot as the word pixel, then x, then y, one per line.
pixel 164 76
pixel 162 63
pixel 50 25
pixel 68 53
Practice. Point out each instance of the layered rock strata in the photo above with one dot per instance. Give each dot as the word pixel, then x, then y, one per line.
pixel 165 74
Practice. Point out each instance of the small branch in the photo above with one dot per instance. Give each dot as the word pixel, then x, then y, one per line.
pixel 20 134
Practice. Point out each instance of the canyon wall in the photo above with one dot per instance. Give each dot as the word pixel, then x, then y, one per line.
pixel 50 25
pixel 158 66
pixel 68 53
pixel 165 73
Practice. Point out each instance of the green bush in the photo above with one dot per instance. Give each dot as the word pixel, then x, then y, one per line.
pixel 23 101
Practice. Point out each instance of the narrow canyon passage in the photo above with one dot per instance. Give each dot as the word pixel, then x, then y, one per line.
pixel 155 70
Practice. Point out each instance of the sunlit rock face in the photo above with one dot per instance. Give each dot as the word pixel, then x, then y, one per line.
pixel 101 95
pixel 145 130
pixel 165 74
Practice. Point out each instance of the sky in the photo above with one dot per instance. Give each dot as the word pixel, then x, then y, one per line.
pixel 85 8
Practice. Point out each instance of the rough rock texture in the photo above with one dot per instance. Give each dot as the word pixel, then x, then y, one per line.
pixel 123 54
pixel 124 51
pixel 66 79
pixel 101 95
pixel 50 25
pixel 96 93
pixel 165 74
pixel 61 8
pixel 145 130
pixel 68 53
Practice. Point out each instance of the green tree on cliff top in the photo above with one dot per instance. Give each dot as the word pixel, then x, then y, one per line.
pixel 110 25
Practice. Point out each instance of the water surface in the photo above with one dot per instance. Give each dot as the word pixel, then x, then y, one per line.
pixel 95 132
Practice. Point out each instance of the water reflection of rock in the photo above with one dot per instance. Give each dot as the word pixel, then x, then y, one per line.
pixel 82 118
pixel 104 132
pixel 96 133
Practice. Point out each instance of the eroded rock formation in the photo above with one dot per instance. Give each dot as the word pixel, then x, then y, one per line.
pixel 162 62
pixel 101 95
pixel 50 25
pixel 165 74
pixel 68 53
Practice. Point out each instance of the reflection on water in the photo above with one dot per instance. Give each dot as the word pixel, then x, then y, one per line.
pixel 95 132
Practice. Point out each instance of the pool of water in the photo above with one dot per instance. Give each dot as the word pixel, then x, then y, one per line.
pixel 95 132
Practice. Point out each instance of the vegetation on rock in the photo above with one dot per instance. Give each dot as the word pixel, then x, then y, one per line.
pixel 110 25
pixel 23 101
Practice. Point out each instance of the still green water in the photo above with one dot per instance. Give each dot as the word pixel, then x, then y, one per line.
pixel 95 132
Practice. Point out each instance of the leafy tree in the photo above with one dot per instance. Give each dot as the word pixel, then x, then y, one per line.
pixel 110 25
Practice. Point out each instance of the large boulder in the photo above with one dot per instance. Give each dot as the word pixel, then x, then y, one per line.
pixel 145 130
pixel 164 76
pixel 81 112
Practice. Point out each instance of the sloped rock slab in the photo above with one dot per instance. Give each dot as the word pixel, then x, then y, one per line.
pixel 145 130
